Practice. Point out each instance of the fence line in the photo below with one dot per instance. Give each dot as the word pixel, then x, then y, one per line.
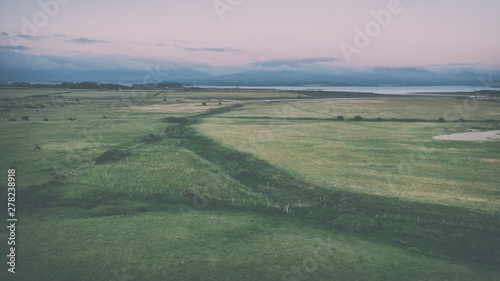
pixel 266 201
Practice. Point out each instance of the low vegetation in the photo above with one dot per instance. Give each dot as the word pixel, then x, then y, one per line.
pixel 173 190
pixel 113 155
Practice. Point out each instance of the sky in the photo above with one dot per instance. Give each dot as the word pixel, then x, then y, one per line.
pixel 221 36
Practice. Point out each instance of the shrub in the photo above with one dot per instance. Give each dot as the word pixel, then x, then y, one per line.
pixel 244 173
pixel 71 119
pixel 340 118
pixel 175 120
pixel 356 223
pixel 441 120
pixel 111 155
pixel 460 239
pixel 168 131
pixel 358 118
pixel 204 103
pixel 164 99
pixel 151 138
pixel 45 119
pixel 12 119
pixel 25 118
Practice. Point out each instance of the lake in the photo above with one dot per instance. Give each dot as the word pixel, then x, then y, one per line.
pixel 390 90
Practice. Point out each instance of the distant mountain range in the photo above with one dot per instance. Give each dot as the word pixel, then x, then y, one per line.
pixel 19 67
pixel 372 77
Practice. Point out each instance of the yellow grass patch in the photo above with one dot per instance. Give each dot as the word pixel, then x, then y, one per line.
pixel 179 108
pixel 391 159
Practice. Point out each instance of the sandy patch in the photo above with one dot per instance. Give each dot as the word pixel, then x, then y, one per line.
pixel 471 136
pixel 156 107
pixel 174 108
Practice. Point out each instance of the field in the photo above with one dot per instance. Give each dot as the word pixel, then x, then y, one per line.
pixel 449 109
pixel 151 185
pixel 395 159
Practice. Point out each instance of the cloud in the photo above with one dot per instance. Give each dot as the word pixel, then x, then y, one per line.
pixel 294 62
pixel 17 66
pixel 452 65
pixel 29 37
pixel 15 48
pixel 83 41
pixel 22 36
pixel 210 49
pixel 12 60
pixel 57 35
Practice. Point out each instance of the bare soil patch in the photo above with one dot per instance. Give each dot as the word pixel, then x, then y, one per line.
pixel 471 136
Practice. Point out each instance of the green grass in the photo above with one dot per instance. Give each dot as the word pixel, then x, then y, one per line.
pixel 163 167
pixel 100 125
pixel 229 94
pixel 154 212
pixel 429 109
pixel 459 232
pixel 212 244
pixel 394 159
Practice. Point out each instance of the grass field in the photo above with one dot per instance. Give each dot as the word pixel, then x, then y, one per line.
pixel 449 109
pixel 119 192
pixel 387 158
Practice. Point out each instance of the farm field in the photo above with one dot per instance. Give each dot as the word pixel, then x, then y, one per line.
pixel 395 159
pixel 151 185
pixel 447 108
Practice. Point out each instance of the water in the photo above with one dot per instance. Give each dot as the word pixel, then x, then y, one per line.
pixel 392 90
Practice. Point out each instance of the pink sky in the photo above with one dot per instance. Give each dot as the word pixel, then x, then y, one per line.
pixel 425 32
